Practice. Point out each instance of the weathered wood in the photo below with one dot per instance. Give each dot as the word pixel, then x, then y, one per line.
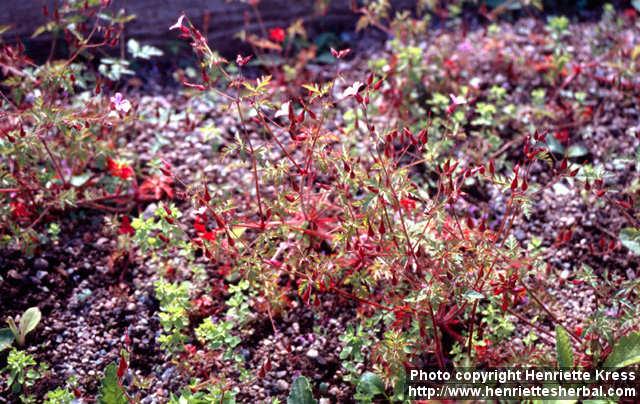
pixel 225 18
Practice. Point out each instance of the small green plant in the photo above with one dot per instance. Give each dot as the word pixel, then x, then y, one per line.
pixel 61 395
pixel 217 335
pixel 558 26
pixel 111 390
pixel 28 322
pixel 352 355
pixel 23 372
pixel 238 303
pixel 301 392
pixel 210 393
pixel 174 315
pixel 369 387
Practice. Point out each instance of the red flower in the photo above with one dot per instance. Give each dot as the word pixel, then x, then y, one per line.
pixel 562 135
pixel 125 226
pixel 408 204
pixel 119 169
pixel 481 350
pixel 191 350
pixel 19 210
pixel 630 13
pixel 277 34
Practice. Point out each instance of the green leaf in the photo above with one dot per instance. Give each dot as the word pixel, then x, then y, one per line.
pixel 110 390
pixel 6 338
pixel 630 238
pixel 29 320
pixel 563 348
pixel 626 352
pixel 142 52
pixel 301 392
pixel 554 145
pixel 369 386
pixel 400 387
pixel 80 180
pixel 577 150
pixel 473 295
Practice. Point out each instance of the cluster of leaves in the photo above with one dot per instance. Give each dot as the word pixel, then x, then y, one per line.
pixel 62 124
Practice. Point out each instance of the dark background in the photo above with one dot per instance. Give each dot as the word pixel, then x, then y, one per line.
pixel 222 19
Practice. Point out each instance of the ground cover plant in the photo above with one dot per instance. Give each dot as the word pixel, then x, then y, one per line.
pixel 305 220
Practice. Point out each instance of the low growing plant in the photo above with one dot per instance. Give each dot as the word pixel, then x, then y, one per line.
pixel 28 322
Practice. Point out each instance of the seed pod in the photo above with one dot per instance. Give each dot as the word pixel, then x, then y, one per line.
pixel 514 183
pixel 563 165
pixel 423 136
pixel 219 220
pixel 346 166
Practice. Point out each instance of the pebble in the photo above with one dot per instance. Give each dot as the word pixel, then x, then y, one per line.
pixel 312 353
pixel 40 264
pixel 282 386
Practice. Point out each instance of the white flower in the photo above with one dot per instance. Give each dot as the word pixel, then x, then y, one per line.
pixel 120 104
pixel 457 100
pixel 353 90
pixel 178 23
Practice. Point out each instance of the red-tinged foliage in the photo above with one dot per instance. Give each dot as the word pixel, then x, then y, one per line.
pixel 125 226
pixel 155 188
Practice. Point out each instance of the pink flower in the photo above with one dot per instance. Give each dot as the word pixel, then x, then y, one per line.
pixel 241 61
pixel 120 104
pixel 277 34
